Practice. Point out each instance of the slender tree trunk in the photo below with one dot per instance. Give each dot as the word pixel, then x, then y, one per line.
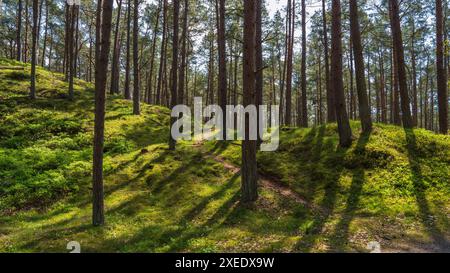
pixel 382 90
pixel 70 51
pixel 174 99
pixel 414 76
pixel 304 106
pixel 104 18
pixel 364 111
pixel 115 67
pixel 249 167
pixel 291 11
pixel 162 55
pixel 19 31
pixel 33 49
pixel 152 58
pixel 128 61
pixel 45 34
pixel 440 70
pixel 345 132
pixel 27 22
pixel 427 81
pixel 398 44
pixel 221 43
pixel 136 77
pixel 259 84
pixel 331 111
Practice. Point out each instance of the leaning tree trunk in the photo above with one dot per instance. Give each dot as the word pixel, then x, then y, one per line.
pixel 104 18
pixel 249 168
pixel 401 70
pixel 345 132
pixel 364 111
pixel 441 73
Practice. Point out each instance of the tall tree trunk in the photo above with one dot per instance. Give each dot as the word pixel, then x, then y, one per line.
pixel 291 11
pixel 174 85
pixel 104 18
pixel 382 89
pixel 331 111
pixel 33 49
pixel 345 132
pixel 364 111
pixel 304 106
pixel 440 70
pixel 249 176
pixel 398 44
pixel 115 67
pixel 136 91
pixel 221 43
pixel 19 31
pixel 414 75
pixel 27 22
pixel 44 47
pixel 152 57
pixel 259 81
pixel 128 61
pixel 162 55
pixel 70 51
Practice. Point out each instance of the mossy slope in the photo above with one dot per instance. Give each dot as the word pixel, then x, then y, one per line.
pixel 390 187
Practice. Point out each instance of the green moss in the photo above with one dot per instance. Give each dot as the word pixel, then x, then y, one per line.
pixel 393 183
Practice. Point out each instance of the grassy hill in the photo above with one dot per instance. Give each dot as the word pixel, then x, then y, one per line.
pixel 392 186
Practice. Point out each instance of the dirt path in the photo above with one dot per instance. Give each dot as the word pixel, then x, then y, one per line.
pixel 266 182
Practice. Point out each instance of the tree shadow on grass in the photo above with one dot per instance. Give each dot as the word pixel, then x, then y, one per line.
pixel 177 235
pixel 426 215
pixel 339 240
pixel 328 202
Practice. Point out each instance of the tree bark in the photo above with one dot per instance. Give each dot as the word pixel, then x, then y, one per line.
pixel 364 111
pixel 104 18
pixel 136 77
pixel 19 31
pixel 152 60
pixel 249 176
pixel 162 55
pixel 441 73
pixel 401 70
pixel 221 43
pixel 174 99
pixel 44 47
pixel 259 81
pixel 304 106
pixel 128 61
pixel 115 66
pixel 291 11
pixel 345 132
pixel 33 49
pixel 331 111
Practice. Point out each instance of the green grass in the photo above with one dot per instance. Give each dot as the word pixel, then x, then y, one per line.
pixel 391 186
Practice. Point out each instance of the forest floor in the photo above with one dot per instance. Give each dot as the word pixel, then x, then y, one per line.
pixel 391 187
